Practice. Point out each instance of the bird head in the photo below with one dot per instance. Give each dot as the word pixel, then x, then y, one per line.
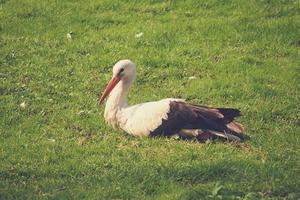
pixel 123 70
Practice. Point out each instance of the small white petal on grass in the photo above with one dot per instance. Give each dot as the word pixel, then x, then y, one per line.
pixel 23 104
pixel 69 35
pixel 51 140
pixel 138 35
pixel 192 77
pixel 81 112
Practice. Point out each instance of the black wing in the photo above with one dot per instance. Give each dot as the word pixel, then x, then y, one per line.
pixel 183 115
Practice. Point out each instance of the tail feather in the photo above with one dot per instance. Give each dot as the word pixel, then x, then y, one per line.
pixel 230 113
pixel 212 135
pixel 215 122
pixel 228 136
pixel 223 121
pixel 235 127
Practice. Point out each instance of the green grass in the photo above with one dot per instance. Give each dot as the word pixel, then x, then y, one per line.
pixel 244 54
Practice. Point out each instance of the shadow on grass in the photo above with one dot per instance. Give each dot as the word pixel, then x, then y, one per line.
pixel 210 179
pixel 199 179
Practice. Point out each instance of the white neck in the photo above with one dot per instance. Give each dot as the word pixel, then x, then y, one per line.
pixel 116 101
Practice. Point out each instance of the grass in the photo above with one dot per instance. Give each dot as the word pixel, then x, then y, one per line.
pixel 54 143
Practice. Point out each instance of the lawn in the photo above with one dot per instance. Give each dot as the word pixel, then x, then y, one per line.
pixel 56 57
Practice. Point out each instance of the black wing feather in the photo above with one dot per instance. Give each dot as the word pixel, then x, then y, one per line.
pixel 183 115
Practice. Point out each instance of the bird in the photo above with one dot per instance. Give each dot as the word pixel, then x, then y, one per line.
pixel 170 117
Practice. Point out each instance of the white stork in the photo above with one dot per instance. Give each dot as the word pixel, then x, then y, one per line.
pixel 167 117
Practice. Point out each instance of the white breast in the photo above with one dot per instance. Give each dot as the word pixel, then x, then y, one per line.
pixel 141 119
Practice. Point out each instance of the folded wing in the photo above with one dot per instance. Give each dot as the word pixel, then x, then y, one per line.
pixel 215 121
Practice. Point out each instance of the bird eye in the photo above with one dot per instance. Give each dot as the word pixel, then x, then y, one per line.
pixel 121 70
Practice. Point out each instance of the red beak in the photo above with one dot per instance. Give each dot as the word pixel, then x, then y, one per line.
pixel 110 86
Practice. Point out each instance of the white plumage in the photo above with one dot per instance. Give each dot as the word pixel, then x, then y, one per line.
pixel 141 119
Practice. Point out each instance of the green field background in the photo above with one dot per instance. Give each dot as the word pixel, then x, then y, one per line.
pixel 57 56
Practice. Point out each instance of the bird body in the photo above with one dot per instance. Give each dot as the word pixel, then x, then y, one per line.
pixel 142 119
pixel 167 117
